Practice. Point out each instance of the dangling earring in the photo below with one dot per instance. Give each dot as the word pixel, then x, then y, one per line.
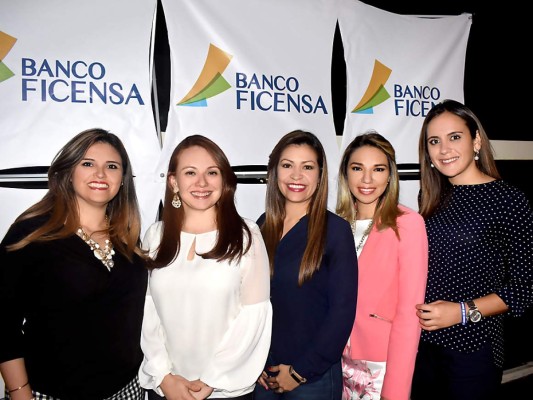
pixel 476 155
pixel 176 201
pixel 432 166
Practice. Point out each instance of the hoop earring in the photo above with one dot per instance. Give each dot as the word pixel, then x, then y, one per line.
pixel 176 201
pixel 476 155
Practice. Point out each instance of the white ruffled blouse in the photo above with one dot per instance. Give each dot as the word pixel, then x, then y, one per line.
pixel 205 319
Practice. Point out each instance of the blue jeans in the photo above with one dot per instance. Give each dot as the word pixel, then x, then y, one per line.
pixel 328 387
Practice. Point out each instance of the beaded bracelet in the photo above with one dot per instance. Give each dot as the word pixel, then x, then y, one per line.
pixel 20 387
pixel 463 313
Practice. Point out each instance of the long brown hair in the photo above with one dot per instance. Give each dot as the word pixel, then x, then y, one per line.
pixel 387 210
pixel 230 244
pixel 61 205
pixel 432 183
pixel 272 228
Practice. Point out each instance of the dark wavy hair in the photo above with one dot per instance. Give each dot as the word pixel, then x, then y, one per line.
pixel 60 202
pixel 230 244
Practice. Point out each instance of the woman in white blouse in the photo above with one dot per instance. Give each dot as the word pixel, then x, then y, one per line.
pixel 207 322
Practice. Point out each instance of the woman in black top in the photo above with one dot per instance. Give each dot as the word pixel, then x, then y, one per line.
pixel 480 258
pixel 73 281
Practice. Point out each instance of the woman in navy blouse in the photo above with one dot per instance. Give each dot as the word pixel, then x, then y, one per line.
pixel 480 257
pixel 314 275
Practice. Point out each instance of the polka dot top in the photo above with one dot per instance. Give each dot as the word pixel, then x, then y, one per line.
pixel 480 242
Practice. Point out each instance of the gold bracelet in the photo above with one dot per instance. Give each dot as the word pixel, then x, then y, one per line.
pixel 20 387
pixel 296 376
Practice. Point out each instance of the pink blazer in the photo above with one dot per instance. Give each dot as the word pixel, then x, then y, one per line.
pixel 392 279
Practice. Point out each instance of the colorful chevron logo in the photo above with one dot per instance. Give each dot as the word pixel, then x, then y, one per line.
pixel 6 44
pixel 375 93
pixel 210 82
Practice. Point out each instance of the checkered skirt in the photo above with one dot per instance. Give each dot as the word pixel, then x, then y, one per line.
pixel 132 391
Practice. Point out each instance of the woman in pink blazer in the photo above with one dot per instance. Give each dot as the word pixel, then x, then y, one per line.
pixel 392 251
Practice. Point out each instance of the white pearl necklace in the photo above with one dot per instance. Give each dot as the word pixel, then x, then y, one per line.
pixel 105 255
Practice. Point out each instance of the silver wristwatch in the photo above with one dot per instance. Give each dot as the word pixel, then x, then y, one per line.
pixel 473 314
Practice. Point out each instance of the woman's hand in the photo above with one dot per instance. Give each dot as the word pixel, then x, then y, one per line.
pixel 282 382
pixel 176 387
pixel 204 392
pixel 262 380
pixel 439 314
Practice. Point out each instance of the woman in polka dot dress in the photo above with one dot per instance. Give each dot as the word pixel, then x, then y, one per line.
pixel 480 257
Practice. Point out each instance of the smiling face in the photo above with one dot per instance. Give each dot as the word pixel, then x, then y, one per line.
pixel 451 148
pixel 298 174
pixel 97 177
pixel 368 175
pixel 198 180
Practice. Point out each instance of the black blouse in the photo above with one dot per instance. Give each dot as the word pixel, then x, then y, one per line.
pixel 76 324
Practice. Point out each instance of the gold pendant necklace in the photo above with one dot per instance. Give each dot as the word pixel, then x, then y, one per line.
pixel 105 255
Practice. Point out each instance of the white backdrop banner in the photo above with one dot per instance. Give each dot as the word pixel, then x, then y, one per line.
pixel 244 73
pixel 398 67
pixel 66 66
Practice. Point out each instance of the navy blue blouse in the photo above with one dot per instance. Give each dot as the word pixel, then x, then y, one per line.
pixel 480 242
pixel 311 323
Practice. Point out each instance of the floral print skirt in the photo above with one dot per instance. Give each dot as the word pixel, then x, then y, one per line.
pixel 361 379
